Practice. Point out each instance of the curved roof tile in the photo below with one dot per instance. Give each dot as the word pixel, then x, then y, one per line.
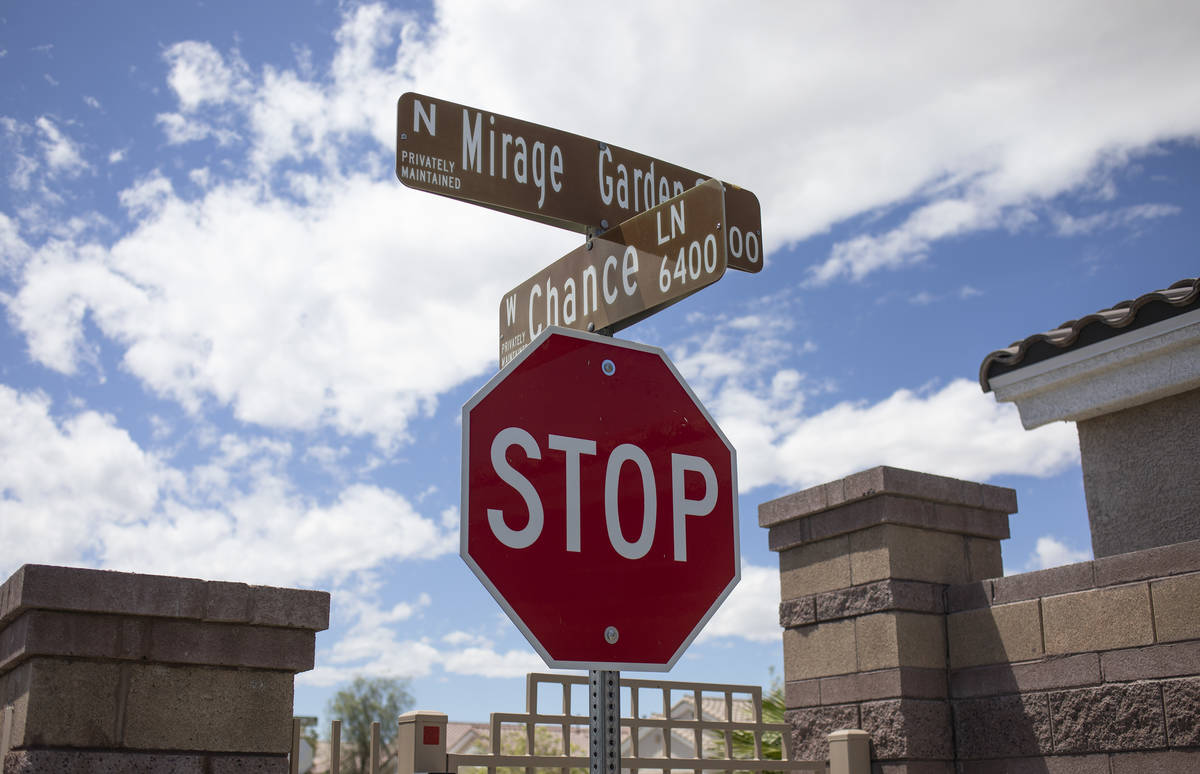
pixel 1183 296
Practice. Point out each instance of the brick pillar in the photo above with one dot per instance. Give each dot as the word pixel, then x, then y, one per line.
pixel 109 671
pixel 864 563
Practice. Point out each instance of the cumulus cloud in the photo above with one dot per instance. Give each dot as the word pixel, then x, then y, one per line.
pixel 333 312
pixel 760 404
pixel 61 154
pixel 199 74
pixel 79 489
pixel 1052 552
pixel 955 430
pixel 328 268
pixel 752 610
pixel 379 651
pixel 65 481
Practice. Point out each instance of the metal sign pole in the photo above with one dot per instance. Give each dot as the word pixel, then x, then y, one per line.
pixel 604 688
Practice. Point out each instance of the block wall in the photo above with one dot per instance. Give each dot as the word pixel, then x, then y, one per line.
pixel 108 671
pixel 895 621
pixel 1093 665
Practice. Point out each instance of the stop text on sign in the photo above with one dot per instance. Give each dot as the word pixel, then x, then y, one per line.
pixel 626 453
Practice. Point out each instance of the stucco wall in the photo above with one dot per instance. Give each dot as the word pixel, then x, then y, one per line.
pixel 1141 474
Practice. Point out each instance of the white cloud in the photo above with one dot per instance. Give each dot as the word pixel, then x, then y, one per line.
pixel 463 638
pixel 487 662
pixel 1052 552
pixel 905 244
pixel 1068 225
pixel 752 610
pixel 60 152
pixel 335 312
pixel 1010 125
pixel 63 482
pixel 335 267
pixel 80 490
pixel 388 657
pixel 761 406
pixel 181 128
pixel 380 651
pixel 956 430
pixel 13 249
pixel 199 74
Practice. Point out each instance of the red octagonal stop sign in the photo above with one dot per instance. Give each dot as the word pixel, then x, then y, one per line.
pixel 599 502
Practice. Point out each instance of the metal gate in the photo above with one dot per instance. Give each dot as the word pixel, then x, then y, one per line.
pixel 702 727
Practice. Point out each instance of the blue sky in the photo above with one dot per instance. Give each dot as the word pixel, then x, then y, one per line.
pixel 235 346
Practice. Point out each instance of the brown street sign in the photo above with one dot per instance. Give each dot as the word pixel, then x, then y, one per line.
pixel 548 175
pixel 624 275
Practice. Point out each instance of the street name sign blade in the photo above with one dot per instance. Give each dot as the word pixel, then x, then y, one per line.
pixel 599 502
pixel 627 273
pixel 549 175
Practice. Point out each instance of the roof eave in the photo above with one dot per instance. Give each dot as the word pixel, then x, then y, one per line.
pixel 1139 366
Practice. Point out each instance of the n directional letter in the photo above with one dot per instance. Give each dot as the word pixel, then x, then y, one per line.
pixel 421 117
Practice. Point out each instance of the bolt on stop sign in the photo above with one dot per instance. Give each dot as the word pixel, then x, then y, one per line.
pixel 599 502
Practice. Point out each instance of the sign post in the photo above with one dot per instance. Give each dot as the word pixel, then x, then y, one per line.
pixel 599 498
pixel 604 721
pixel 549 175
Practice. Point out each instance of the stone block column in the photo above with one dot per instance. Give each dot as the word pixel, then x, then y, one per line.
pixel 864 566
pixel 110 671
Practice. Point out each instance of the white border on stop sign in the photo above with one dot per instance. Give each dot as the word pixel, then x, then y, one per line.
pixel 482 393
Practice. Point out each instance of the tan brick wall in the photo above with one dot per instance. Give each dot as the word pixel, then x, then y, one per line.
pixel 994 634
pixel 984 559
pixel 815 567
pixel 896 618
pixel 1099 619
pixel 819 650
pixel 150 707
pixel 887 640
pixel 111 667
pixel 1177 608
pixel 1117 686
pixel 909 553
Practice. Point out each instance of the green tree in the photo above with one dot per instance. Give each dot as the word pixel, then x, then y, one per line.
pixel 363 702
pixel 742 742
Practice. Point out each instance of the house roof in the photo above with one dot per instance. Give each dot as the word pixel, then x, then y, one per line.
pixel 1181 297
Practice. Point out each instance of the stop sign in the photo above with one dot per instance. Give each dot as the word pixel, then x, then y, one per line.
pixel 599 502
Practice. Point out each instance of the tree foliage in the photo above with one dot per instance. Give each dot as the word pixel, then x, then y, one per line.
pixel 772 712
pixel 363 702
pixel 742 742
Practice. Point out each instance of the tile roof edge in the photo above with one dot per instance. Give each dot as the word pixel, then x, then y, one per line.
pixel 1180 297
